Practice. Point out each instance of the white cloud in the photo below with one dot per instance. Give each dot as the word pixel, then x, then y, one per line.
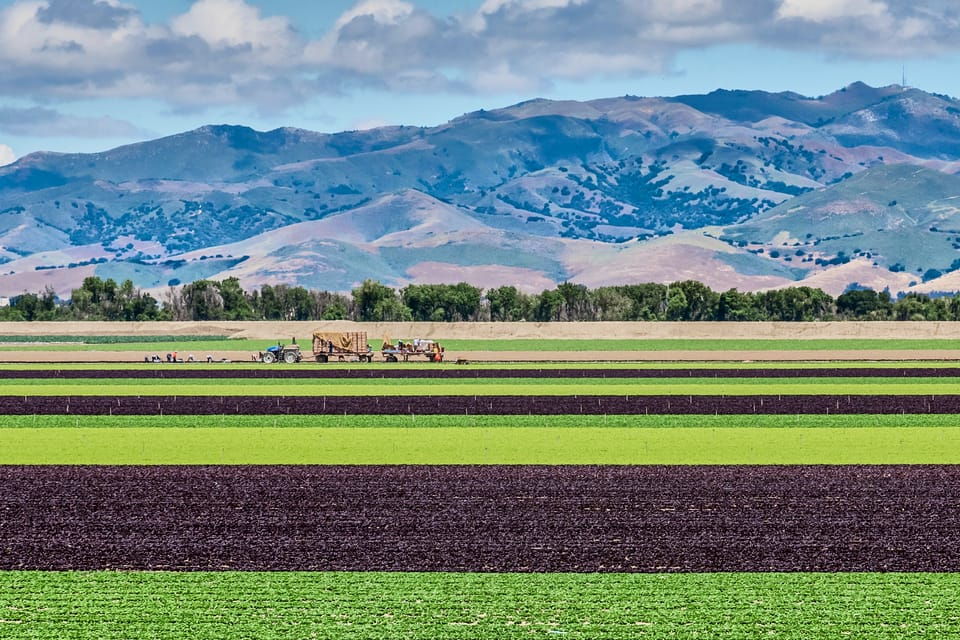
pixel 233 23
pixel 369 123
pixel 492 6
pixel 230 52
pixel 6 155
pixel 382 11
pixel 825 10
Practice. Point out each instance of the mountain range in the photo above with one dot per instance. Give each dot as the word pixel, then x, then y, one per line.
pixel 742 189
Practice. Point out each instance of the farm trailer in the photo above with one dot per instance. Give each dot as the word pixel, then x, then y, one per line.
pixel 343 345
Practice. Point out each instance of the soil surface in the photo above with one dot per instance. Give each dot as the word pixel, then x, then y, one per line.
pixel 479 405
pixel 585 331
pixel 506 330
pixel 451 357
pixel 491 518
pixel 176 372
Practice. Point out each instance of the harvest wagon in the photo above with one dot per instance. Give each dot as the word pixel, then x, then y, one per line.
pixel 341 345
pixel 430 349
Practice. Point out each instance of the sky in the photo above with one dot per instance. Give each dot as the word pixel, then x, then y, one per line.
pixel 90 75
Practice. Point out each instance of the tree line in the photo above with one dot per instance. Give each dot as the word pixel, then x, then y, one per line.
pixel 99 299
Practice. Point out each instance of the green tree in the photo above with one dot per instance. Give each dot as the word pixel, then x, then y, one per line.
pixel 236 303
pixel 269 303
pixel 548 306
pixel 506 304
pixel 701 300
pixel 391 310
pixel 648 301
pixel 913 306
pixel 577 302
pixel 442 302
pixel 737 306
pixel 864 304
pixel 330 306
pixel 202 301
pixel 373 299
pixel 611 303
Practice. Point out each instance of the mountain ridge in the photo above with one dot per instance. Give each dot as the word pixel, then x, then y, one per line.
pixel 614 176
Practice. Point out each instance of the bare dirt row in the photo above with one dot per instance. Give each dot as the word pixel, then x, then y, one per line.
pixel 479 405
pixel 464 518
pixel 274 330
pixel 178 372
pixel 451 356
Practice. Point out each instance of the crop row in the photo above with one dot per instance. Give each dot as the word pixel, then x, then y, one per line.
pixel 415 389
pixel 311 373
pixel 418 606
pixel 107 339
pixel 473 421
pixel 488 519
pixel 597 367
pixel 478 405
pixel 481 445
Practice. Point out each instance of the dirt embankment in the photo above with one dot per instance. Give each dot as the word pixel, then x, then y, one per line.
pixel 508 330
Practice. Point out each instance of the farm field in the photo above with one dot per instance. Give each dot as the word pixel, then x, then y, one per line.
pixel 597 500
pixel 500 342
pixel 439 445
pixel 429 606
pixel 511 386
pixel 198 345
pixel 469 518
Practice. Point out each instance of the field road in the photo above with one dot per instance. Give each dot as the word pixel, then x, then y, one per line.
pixel 478 357
pixel 273 331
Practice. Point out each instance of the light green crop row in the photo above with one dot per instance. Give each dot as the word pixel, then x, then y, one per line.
pixel 465 606
pixel 653 421
pixel 479 445
pixel 377 365
pixel 700 344
pixel 199 347
pixel 481 387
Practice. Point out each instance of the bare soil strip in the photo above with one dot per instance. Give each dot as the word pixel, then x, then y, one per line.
pixel 182 373
pixel 274 330
pixel 479 405
pixel 451 356
pixel 464 518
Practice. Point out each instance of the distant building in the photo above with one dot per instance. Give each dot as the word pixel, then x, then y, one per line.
pixel 4 301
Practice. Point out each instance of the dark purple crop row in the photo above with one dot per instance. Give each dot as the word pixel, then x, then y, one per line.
pixel 493 518
pixel 185 372
pixel 476 405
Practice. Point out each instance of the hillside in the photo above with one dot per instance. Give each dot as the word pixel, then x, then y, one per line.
pixel 602 191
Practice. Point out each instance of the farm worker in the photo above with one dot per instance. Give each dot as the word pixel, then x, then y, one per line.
pixel 175 356
pixel 169 358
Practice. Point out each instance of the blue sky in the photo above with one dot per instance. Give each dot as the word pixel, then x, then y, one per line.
pixel 89 75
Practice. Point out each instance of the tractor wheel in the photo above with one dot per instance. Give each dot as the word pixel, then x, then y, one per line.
pixel 268 357
pixel 322 357
pixel 290 357
pixel 391 357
